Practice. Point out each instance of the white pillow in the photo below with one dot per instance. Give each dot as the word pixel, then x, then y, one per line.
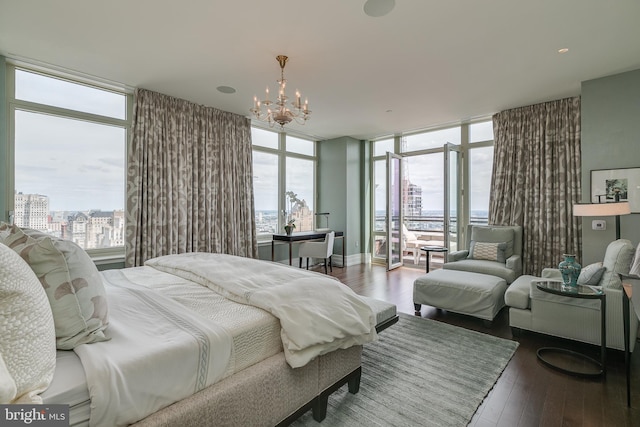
pixel 8 388
pixel 591 274
pixel 27 334
pixel 635 265
pixel 72 284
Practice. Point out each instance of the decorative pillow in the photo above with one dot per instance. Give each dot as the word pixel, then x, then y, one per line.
pixel 591 274
pixel 488 251
pixel 5 230
pixel 14 236
pixel 635 265
pixel 497 234
pixel 8 388
pixel 27 335
pixel 72 284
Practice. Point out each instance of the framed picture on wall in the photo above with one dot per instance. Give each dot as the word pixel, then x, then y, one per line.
pixel 606 183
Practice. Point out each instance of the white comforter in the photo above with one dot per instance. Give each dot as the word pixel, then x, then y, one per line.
pixel 317 313
pixel 159 353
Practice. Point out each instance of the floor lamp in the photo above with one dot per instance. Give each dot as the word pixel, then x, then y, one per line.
pixel 603 209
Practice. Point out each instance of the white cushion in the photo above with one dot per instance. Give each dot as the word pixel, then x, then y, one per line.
pixel 8 388
pixel 591 274
pixel 27 335
pixel 635 265
pixel 72 284
pixel 617 259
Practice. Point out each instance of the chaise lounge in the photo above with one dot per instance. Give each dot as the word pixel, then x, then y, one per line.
pixel 474 280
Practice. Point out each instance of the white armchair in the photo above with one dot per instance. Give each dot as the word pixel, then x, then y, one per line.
pixel 322 249
pixel 495 250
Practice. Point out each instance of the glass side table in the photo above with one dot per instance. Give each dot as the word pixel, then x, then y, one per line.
pixel 564 360
pixel 431 248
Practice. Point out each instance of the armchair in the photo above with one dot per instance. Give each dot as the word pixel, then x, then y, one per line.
pixel 571 318
pixel 494 250
pixel 322 249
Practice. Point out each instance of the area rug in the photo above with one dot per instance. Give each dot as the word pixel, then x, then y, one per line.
pixel 420 373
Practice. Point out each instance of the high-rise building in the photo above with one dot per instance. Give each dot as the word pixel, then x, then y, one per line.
pixel 31 211
pixel 412 199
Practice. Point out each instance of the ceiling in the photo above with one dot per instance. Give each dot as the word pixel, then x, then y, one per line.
pixel 426 63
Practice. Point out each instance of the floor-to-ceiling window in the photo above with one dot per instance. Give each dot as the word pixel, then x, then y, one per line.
pixel 480 162
pixel 68 140
pixel 283 181
pixel 424 181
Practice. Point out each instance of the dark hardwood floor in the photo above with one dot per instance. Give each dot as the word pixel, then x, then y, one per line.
pixel 527 393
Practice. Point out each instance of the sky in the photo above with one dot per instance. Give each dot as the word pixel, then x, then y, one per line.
pixel 79 165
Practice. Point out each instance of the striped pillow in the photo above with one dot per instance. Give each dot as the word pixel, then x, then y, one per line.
pixel 488 251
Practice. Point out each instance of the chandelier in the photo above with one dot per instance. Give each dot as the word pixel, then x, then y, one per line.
pixel 277 111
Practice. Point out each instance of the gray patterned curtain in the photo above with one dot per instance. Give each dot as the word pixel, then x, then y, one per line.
pixel 536 179
pixel 189 180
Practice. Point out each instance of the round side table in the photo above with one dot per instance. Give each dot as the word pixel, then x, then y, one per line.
pixel 429 249
pixel 546 354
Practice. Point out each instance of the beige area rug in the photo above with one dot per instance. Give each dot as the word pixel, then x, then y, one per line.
pixel 420 373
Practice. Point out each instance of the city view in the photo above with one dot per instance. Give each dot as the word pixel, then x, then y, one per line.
pixel 91 229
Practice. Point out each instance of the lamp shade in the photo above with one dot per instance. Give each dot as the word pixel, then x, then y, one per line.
pixel 601 209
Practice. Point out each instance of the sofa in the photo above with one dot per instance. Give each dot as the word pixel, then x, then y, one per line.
pixel 576 319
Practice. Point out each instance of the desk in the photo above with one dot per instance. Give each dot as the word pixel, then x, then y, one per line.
pixel 303 236
pixel 582 292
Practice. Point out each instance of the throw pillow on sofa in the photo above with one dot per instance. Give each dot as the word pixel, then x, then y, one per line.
pixel 635 264
pixel 591 274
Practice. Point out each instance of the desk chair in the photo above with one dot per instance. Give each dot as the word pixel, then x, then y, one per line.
pixel 322 249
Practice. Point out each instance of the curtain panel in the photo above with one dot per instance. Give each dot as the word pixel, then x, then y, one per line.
pixel 536 179
pixel 189 180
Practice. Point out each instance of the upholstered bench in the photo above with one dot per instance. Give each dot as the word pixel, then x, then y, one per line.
pixel 386 313
pixel 473 294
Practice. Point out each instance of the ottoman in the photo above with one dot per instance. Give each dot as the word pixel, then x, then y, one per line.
pixel 473 294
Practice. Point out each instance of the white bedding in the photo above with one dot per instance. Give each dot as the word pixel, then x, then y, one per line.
pixel 255 332
pixel 150 363
pixel 159 352
pixel 317 313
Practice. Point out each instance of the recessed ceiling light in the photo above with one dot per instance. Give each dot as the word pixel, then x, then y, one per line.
pixel 226 89
pixel 377 8
pixel 563 50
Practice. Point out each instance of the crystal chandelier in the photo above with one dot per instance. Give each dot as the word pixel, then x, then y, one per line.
pixel 277 111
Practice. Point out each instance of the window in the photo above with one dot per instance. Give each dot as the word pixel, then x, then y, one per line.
pixel 480 166
pixel 431 139
pixel 69 144
pixel 283 181
pixel 381 147
pixel 423 180
pixel 265 190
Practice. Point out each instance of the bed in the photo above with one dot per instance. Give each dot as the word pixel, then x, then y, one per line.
pixel 218 340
